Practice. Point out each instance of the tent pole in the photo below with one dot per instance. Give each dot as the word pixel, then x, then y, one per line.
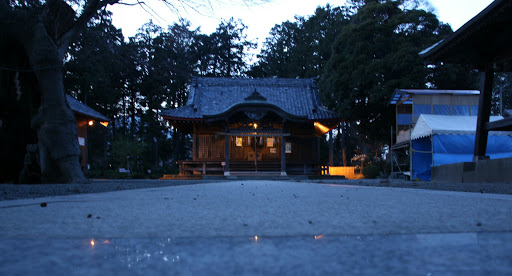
pixel 410 151
pixel 432 150
pixel 391 152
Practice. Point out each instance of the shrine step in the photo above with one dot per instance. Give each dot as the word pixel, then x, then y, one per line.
pixel 181 177
pixel 251 167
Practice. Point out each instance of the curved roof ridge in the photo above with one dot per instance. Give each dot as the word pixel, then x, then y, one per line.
pixel 211 96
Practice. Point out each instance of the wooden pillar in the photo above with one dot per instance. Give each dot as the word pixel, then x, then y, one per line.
pixel 86 168
pixel 226 155
pixel 283 156
pixel 194 142
pixel 317 141
pixel 484 111
pixel 331 149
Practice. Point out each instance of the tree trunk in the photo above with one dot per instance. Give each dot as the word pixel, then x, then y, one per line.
pixel 344 155
pixel 55 122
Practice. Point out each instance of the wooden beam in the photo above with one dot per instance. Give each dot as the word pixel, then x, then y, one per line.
pixel 501 125
pixel 194 142
pixel 283 156
pixel 226 153
pixel 484 111
pixel 331 149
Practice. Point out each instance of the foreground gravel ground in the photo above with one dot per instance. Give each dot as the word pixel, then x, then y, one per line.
pixel 489 188
pixel 11 191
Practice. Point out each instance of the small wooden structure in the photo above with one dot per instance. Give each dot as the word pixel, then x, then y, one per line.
pixel 253 126
pixel 485 43
pixel 85 116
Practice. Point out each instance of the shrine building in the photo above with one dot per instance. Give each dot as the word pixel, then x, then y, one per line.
pixel 255 126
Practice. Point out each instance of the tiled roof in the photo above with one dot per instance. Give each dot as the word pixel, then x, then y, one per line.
pixel 401 94
pixel 82 109
pixel 214 96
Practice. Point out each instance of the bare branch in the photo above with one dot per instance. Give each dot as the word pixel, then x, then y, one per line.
pixel 91 8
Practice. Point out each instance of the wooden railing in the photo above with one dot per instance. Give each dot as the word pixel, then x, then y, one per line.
pixel 203 167
pixel 217 167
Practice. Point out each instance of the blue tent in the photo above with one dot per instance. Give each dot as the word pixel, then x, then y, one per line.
pixel 439 140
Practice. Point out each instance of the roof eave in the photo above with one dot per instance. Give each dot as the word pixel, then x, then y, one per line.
pixel 256 104
pixel 102 119
pixel 430 54
pixel 174 118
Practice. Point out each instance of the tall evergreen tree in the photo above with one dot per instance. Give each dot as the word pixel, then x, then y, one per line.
pixel 300 48
pixel 224 53
pixel 375 54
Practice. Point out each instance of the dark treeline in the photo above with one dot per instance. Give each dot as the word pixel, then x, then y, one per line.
pixel 132 81
pixel 359 52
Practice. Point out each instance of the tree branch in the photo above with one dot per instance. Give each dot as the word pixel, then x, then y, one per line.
pixel 91 8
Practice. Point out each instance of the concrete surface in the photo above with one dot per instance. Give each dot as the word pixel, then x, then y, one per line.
pixel 482 171
pixel 302 228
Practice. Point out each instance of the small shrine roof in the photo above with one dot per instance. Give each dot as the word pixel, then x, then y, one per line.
pixel 84 110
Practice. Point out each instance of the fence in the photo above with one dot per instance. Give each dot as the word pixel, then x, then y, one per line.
pixel 348 172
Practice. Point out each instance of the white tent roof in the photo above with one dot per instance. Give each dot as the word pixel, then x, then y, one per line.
pixel 428 125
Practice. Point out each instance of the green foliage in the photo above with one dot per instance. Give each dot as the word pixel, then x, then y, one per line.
pixel 132 81
pixel 361 52
pixel 371 171
pixel 375 54
pixel 128 153
pixel 376 169
pixel 155 173
pixel 224 52
pixel 300 48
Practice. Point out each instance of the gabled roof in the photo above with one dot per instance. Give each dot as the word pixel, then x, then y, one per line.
pixel 483 40
pixel 406 95
pixel 214 97
pixel 84 110
pixel 428 125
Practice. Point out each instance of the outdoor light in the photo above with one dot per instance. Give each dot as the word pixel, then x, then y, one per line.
pixel 321 127
pixel 91 122
pixel 255 125
pixel 92 242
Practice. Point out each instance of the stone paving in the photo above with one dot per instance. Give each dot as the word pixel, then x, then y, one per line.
pixel 259 227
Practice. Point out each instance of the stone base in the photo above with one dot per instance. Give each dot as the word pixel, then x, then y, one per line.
pixel 484 170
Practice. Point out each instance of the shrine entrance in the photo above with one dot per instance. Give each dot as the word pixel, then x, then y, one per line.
pixel 255 151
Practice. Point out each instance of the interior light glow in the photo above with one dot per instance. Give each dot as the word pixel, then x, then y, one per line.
pixel 105 124
pixel 321 127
